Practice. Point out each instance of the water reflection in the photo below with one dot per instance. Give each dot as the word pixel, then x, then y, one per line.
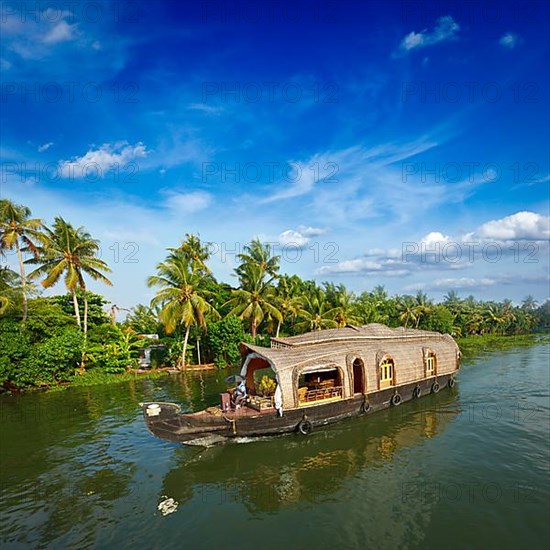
pixel 314 467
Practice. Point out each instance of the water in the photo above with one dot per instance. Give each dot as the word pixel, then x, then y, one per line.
pixel 466 468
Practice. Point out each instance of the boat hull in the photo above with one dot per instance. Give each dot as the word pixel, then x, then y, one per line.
pixel 212 426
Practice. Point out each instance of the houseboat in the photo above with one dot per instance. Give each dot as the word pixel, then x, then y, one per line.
pixel 318 378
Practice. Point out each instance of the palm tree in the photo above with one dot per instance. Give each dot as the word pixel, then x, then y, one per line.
pixel 423 306
pixel 287 301
pixel 9 288
pixel 315 312
pixel 345 310
pixel 181 296
pixel 195 252
pixel 258 255
pixel 451 298
pixel 16 228
pixel 256 298
pixel 70 252
pixel 529 303
pixel 408 310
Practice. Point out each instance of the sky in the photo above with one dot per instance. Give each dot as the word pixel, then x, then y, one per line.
pixel 403 144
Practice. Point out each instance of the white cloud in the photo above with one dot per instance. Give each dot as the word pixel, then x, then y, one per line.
pixel 519 226
pixel 101 160
pixel 62 32
pixel 295 238
pixel 445 30
pixel 45 147
pixel 300 237
pixel 187 203
pixel 358 265
pixel 510 40
pixel 204 108
pixel 311 231
pixel 435 237
pixel 454 283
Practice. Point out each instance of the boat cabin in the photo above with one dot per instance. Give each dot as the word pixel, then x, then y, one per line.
pixel 337 364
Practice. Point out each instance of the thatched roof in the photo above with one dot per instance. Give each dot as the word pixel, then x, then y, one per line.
pixel 320 345
pixel 351 333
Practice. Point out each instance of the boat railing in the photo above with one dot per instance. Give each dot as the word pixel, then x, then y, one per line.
pixel 334 392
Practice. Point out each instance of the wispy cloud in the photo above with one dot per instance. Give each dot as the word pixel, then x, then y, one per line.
pixel 45 147
pixel 187 203
pixel 510 40
pixel 446 29
pixel 345 179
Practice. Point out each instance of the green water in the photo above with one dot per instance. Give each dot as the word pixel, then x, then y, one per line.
pixel 466 468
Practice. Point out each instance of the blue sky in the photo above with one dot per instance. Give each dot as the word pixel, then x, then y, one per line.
pixel 396 143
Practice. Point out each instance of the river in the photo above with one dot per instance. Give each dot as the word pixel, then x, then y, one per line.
pixel 466 468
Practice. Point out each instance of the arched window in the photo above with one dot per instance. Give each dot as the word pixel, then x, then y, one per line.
pixel 430 363
pixel 387 374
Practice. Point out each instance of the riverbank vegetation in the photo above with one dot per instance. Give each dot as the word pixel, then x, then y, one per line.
pixel 193 318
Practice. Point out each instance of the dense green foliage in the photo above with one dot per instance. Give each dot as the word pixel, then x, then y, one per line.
pixel 69 337
pixel 223 340
pixel 26 360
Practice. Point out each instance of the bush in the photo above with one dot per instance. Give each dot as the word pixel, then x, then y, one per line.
pixel 111 349
pixel 46 319
pixel 14 348
pixel 223 339
pixel 439 319
pixel 52 361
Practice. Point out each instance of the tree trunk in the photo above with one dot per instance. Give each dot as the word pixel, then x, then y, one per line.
pixel 23 281
pixel 199 350
pixel 76 310
pixel 85 311
pixel 278 329
pixel 185 347
pixel 253 330
pixel 83 363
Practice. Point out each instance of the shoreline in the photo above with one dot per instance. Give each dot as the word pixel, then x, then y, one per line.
pixel 471 346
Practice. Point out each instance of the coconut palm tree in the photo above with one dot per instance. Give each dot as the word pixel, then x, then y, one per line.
pixel 71 252
pixel 195 252
pixel 345 310
pixel 9 288
pixel 16 229
pixel 315 312
pixel 255 299
pixel 258 255
pixel 529 303
pixel 408 310
pixel 287 301
pixel 181 296
pixel 423 306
